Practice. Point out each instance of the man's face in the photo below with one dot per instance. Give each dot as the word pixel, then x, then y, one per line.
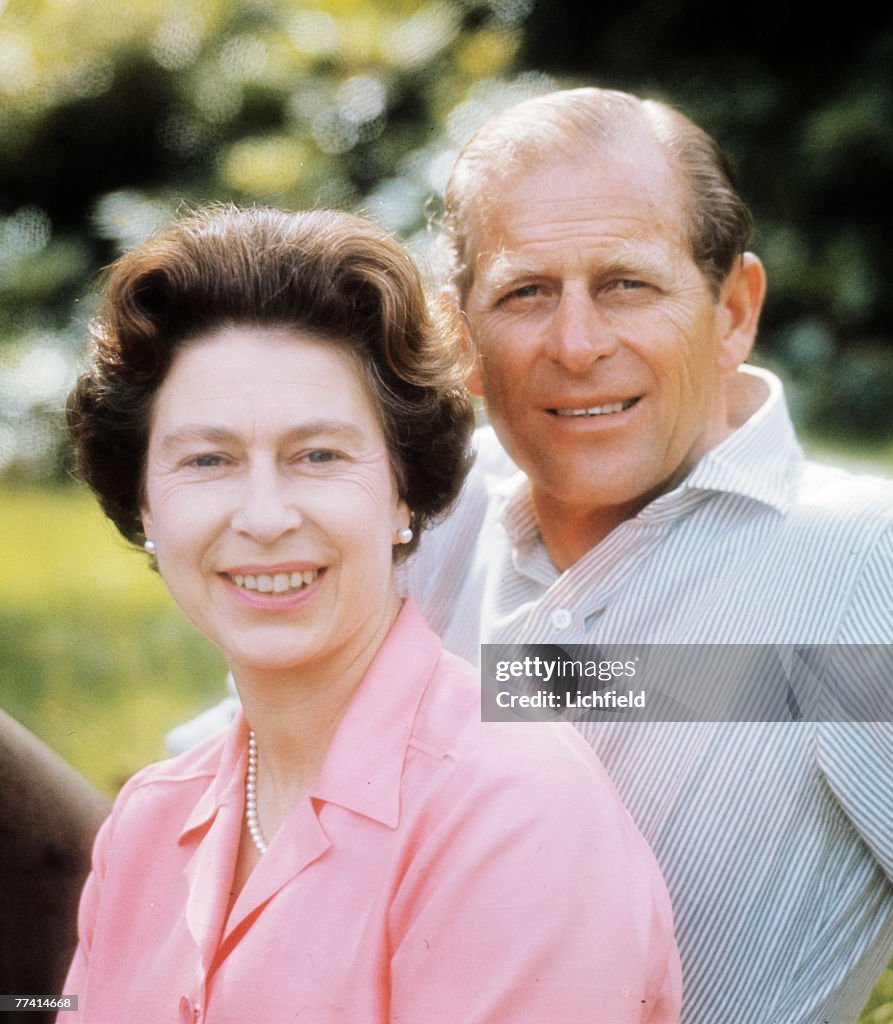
pixel 600 347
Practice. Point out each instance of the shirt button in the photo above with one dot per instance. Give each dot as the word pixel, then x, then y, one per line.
pixel 561 618
pixel 187 1011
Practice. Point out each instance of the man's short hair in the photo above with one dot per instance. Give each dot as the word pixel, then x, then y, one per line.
pixel 570 123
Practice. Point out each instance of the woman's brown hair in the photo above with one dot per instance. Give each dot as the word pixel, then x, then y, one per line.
pixel 335 275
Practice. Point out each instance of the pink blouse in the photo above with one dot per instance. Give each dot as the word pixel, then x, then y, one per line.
pixel 439 870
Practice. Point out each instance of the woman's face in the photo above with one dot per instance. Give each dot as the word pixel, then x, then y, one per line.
pixel 271 500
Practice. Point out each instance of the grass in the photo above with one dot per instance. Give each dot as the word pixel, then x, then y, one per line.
pixel 97 660
pixel 879 1009
pixel 94 656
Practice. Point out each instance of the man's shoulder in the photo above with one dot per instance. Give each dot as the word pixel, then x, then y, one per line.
pixel 840 495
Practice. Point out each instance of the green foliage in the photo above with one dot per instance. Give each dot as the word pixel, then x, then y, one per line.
pixel 94 656
pixel 116 113
pixel 879 1009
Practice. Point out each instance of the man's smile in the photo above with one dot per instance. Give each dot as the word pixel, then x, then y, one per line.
pixel 596 410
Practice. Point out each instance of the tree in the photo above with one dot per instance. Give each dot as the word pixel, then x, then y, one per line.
pixel 115 113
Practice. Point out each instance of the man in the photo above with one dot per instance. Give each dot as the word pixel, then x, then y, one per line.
pixel 642 487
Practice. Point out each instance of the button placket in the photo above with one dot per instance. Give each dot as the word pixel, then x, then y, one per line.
pixel 561 618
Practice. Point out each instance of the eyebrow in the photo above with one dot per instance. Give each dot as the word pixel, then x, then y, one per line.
pixel 339 430
pixel 504 268
pixel 633 257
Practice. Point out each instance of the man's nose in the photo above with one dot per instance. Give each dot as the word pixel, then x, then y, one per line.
pixel 268 505
pixel 580 333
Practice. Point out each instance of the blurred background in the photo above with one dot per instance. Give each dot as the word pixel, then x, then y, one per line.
pixel 114 114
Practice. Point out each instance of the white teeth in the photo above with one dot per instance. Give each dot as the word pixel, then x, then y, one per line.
pixel 596 410
pixel 280 583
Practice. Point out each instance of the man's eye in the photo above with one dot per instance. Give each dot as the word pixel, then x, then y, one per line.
pixel 629 283
pixel 526 291
pixel 523 294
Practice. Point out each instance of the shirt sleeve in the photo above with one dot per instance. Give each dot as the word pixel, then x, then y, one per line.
pixel 533 898
pixel 856 738
pixel 433 575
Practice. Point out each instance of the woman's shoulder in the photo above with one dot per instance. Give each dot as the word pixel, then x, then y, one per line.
pixel 156 803
pixel 183 776
pixel 516 795
pixel 549 758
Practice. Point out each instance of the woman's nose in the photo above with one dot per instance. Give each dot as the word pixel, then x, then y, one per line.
pixel 268 507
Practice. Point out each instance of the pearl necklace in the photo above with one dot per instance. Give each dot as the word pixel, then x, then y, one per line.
pixel 254 828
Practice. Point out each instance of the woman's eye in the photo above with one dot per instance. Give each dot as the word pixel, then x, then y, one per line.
pixel 206 461
pixel 321 455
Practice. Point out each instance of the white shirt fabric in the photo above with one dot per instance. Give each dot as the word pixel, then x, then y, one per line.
pixel 776 839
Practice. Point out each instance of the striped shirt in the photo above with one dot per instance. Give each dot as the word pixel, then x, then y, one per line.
pixel 776 839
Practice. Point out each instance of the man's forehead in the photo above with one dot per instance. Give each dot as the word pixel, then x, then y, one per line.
pixel 635 155
pixel 598 184
pixel 648 245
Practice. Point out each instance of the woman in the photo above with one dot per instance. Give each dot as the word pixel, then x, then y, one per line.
pixel 269 410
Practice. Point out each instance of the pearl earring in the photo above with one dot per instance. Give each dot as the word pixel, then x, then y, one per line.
pixel 149 546
pixel 404 536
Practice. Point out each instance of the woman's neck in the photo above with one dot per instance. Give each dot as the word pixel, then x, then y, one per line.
pixel 294 714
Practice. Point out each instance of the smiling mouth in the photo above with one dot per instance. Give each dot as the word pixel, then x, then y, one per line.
pixel 596 410
pixel 275 583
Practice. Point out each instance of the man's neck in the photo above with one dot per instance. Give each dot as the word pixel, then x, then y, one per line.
pixel 745 393
pixel 568 532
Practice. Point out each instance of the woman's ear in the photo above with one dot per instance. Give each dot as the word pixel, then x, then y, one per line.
pixel 148 529
pixel 402 515
pixel 451 308
pixel 740 302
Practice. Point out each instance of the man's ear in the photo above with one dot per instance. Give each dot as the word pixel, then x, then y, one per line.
pixel 451 308
pixel 740 302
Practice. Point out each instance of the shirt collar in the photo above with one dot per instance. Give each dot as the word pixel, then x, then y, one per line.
pixel 756 461
pixel 227 776
pixel 363 766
